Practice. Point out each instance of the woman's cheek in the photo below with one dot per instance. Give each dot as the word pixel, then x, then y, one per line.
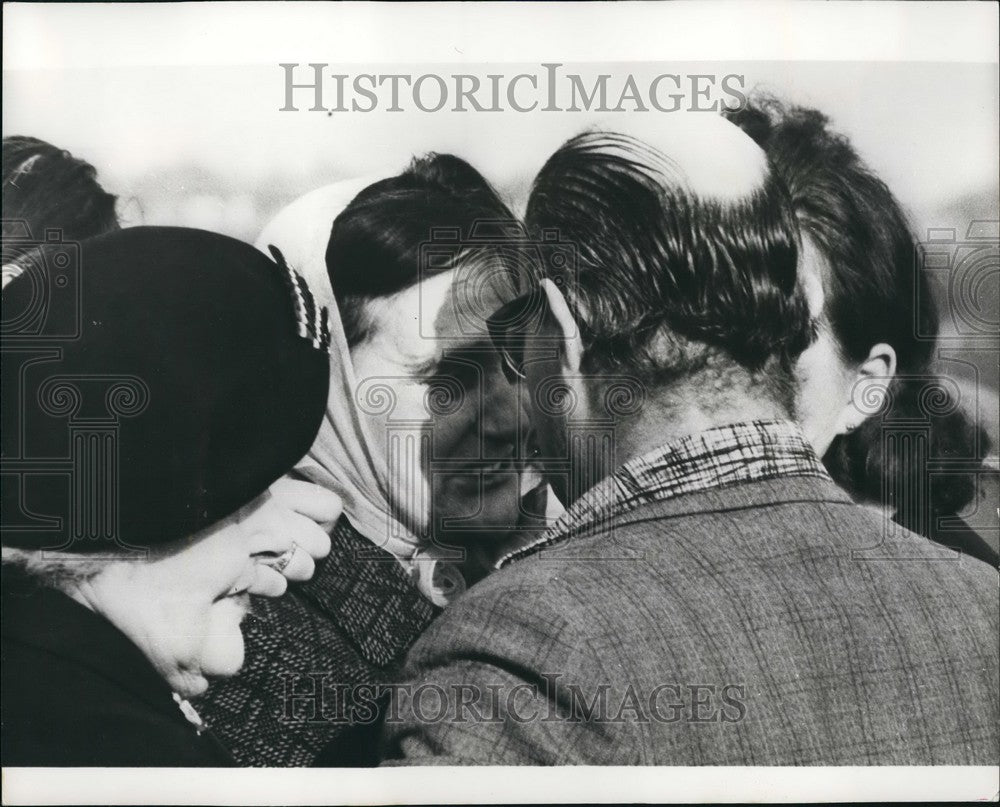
pixel 223 647
pixel 497 505
pixel 501 505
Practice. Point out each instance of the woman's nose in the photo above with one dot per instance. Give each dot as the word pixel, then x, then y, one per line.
pixel 504 404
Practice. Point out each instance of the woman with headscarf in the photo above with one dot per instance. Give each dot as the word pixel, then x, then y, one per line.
pixel 184 373
pixel 407 377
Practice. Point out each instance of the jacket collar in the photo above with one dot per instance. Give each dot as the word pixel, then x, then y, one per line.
pixel 727 458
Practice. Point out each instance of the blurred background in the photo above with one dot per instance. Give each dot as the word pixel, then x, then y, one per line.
pixel 206 146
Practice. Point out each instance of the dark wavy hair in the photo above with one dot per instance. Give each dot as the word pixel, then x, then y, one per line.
pixel 666 283
pixel 375 243
pixel 46 187
pixel 877 291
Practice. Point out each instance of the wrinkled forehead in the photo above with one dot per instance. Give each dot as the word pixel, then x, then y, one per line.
pixel 448 310
pixel 702 152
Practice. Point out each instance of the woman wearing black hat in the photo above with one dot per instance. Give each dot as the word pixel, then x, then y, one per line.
pixel 317 658
pixel 198 368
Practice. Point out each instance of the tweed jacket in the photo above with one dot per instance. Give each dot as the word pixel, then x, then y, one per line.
pixel 768 622
pixel 294 702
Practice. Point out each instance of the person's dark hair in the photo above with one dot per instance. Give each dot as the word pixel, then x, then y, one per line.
pixel 45 187
pixel 876 291
pixel 375 243
pixel 666 282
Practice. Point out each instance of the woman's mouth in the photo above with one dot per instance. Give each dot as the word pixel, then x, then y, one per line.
pixel 502 461
pixel 241 602
pixel 238 592
pixel 500 465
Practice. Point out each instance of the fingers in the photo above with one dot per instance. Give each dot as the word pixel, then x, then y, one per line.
pixel 276 528
pixel 300 566
pixel 284 536
pixel 268 582
pixel 311 538
pixel 294 543
pixel 308 499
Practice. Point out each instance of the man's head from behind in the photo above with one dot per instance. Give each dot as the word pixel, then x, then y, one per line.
pixel 684 281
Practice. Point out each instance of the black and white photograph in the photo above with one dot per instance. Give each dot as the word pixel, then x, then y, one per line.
pixel 500 402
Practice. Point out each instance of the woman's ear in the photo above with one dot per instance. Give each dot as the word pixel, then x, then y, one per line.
pixel 559 308
pixel 870 387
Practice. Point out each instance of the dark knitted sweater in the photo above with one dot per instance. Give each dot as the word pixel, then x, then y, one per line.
pixel 294 702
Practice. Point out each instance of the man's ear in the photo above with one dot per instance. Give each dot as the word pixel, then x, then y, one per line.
pixel 559 308
pixel 870 385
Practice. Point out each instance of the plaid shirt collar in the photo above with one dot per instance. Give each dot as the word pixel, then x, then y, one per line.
pixel 727 455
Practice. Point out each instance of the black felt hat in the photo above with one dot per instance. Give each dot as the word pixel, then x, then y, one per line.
pixel 156 380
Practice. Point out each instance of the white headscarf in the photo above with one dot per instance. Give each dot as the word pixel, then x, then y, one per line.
pixel 341 459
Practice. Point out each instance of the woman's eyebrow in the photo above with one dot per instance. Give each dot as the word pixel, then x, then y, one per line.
pixel 468 353
pixel 426 368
